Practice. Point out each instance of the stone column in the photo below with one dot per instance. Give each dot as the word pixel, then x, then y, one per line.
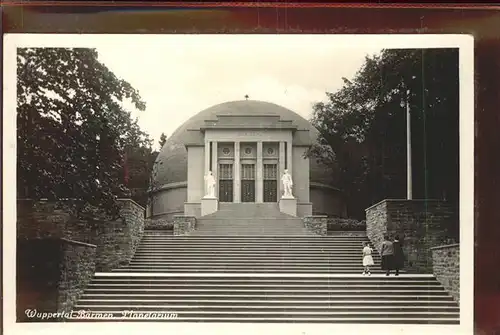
pixel 207 160
pixel 289 157
pixel 281 168
pixel 259 189
pixel 236 176
pixel 215 165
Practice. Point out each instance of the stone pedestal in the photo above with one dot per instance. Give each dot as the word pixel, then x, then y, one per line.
pixel 184 224
pixel 318 224
pixel 209 206
pixel 288 205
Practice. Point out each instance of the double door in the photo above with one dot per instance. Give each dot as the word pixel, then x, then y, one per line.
pixel 270 182
pixel 248 182
pixel 226 182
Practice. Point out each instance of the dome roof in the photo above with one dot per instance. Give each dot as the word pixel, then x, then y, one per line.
pixel 171 163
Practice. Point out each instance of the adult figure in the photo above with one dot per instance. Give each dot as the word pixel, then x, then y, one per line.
pixel 210 185
pixel 399 256
pixel 387 252
pixel 287 181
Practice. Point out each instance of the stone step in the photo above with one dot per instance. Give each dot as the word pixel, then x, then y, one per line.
pixel 264 239
pixel 270 288
pixel 317 312
pixel 249 233
pixel 117 317
pixel 377 281
pixel 240 217
pixel 358 245
pixel 330 237
pixel 338 296
pixel 258 251
pixel 261 253
pixel 248 247
pixel 242 260
pixel 357 267
pixel 254 303
pixel 187 247
pixel 284 257
pixel 273 309
pixel 241 270
pixel 395 286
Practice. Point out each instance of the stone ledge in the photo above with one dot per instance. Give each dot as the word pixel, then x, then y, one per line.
pixel 131 201
pixel 403 200
pixel 340 224
pixel 78 243
pixel 313 184
pixel 160 215
pixel 446 246
pixel 158 224
pixel 164 228
pixel 168 186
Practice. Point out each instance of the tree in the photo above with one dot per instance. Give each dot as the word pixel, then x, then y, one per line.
pixel 139 169
pixel 364 124
pixel 163 140
pixel 72 128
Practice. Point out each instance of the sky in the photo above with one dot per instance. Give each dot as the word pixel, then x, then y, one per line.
pixel 179 76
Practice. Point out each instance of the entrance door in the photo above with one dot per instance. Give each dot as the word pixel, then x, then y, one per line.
pixel 226 182
pixel 247 182
pixel 270 183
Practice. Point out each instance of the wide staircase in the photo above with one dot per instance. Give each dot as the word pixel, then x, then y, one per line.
pixel 264 273
pixel 248 219
pixel 249 254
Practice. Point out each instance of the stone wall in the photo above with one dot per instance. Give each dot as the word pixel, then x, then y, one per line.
pixel 422 224
pixel 159 224
pixel 344 225
pixel 184 224
pixel 446 268
pixel 78 265
pixel 116 241
pixel 317 224
pixel 51 275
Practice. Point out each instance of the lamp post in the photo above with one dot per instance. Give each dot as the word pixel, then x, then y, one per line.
pixel 409 190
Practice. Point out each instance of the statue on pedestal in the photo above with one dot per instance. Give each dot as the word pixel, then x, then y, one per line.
pixel 210 185
pixel 287 181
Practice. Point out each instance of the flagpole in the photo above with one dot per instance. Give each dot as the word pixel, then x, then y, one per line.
pixel 409 186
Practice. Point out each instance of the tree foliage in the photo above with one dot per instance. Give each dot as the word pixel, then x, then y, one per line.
pixel 72 128
pixel 363 128
pixel 139 167
pixel 163 140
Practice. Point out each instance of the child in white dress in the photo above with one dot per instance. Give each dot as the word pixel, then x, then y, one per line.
pixel 367 259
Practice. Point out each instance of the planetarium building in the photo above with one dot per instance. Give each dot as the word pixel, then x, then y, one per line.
pixel 247 146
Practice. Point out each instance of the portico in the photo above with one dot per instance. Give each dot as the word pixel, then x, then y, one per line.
pixel 248 154
pixel 247 144
pixel 248 169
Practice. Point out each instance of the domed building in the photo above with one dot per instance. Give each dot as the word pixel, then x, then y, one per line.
pixel 247 146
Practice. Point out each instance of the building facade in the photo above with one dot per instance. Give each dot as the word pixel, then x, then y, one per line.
pixel 247 145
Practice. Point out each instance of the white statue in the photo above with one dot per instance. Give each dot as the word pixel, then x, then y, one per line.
pixel 287 181
pixel 210 185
